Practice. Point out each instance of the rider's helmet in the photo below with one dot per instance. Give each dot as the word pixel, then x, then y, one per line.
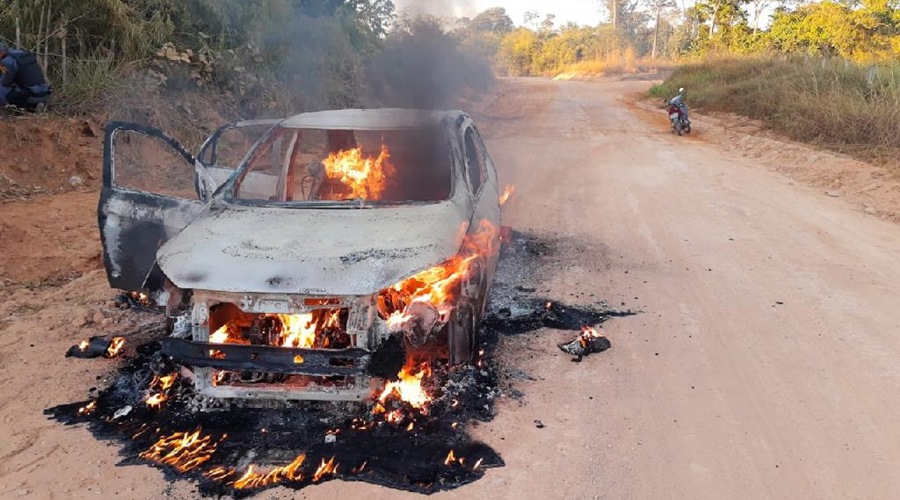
pixel 681 91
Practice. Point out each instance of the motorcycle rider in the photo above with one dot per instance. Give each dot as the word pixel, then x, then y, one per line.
pixel 679 101
pixel 22 82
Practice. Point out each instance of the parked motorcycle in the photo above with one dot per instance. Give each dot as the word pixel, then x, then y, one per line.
pixel 679 124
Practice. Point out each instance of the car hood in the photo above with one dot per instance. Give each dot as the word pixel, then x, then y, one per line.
pixel 311 251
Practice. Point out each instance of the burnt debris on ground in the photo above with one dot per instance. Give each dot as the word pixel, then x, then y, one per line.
pixel 232 449
pixel 239 449
pixel 588 342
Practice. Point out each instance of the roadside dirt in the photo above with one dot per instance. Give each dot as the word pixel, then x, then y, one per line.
pixel 763 364
pixel 48 155
pixel 873 189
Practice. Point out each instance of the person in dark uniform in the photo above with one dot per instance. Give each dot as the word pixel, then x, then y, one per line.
pixel 22 82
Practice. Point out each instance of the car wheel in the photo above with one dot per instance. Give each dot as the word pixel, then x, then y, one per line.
pixel 461 335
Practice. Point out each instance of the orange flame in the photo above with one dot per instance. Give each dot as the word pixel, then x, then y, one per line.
pixel 328 467
pixel 115 346
pixel 588 332
pixel 83 345
pixel 182 450
pixel 365 176
pixel 220 336
pixel 409 387
pixel 297 330
pixel 252 479
pixel 160 385
pixel 156 400
pixel 450 458
pixel 439 284
pixel 167 381
pixel 88 408
pixel 507 192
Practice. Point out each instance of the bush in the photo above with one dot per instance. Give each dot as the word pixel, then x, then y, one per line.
pixel 836 103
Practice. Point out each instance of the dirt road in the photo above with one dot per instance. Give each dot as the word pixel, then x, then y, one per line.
pixel 763 364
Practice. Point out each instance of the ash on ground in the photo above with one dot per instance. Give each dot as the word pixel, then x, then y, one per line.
pixel 234 449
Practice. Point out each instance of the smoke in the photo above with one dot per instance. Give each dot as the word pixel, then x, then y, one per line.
pixel 247 61
pixel 437 8
pixel 423 66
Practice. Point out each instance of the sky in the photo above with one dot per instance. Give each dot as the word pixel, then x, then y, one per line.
pixel 588 12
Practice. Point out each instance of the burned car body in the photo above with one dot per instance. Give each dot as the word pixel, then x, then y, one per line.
pixel 291 254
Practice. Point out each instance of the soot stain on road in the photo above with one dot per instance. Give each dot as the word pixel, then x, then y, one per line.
pixel 236 449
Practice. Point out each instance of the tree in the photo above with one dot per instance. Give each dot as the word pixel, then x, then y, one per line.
pixel 657 6
pixel 493 20
pixel 518 51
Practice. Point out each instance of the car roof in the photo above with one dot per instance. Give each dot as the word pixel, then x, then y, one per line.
pixel 369 119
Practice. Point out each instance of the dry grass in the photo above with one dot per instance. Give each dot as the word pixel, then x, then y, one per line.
pixel 613 63
pixel 834 103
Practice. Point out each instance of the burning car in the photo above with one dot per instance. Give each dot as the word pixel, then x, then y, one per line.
pixel 301 258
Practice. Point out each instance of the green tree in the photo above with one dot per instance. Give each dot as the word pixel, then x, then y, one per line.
pixel 518 51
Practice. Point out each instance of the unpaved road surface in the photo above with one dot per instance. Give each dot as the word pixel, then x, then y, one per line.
pixel 764 363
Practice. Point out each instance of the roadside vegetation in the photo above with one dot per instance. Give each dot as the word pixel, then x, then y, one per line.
pixel 822 71
pixel 250 59
pixel 832 102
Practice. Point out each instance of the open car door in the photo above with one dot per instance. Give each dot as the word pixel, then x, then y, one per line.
pixel 152 188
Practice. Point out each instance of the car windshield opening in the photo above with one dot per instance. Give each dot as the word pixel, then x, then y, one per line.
pixel 296 165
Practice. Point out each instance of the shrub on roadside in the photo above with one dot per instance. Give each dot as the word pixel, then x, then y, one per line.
pixel 832 102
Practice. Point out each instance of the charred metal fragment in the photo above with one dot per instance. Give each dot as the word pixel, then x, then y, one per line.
pixel 96 347
pixel 321 362
pixel 93 348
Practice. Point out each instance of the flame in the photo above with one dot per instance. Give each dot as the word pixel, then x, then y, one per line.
pixel 167 381
pixel 365 176
pixel 507 192
pixel 83 345
pixel 408 388
pixel 397 320
pixel 308 330
pixel 219 473
pixel 160 385
pixel 115 346
pixel 182 450
pixel 588 332
pixel 299 330
pixel 88 408
pixel 220 336
pixel 140 297
pixel 328 467
pixel 252 479
pixel 439 285
pixel 450 458
pixel 477 464
pixel 156 400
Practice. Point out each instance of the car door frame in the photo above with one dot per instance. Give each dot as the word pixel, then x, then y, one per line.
pixel 133 224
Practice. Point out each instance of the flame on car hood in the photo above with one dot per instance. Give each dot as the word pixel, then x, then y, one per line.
pixel 311 250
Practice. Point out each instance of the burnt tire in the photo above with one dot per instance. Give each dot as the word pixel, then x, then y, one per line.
pixel 461 341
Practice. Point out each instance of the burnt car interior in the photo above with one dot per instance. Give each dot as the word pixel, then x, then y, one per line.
pixel 304 165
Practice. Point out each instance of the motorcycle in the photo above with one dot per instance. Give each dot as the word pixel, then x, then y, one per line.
pixel 679 124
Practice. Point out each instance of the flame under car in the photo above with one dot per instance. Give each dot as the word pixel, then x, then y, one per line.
pixel 301 258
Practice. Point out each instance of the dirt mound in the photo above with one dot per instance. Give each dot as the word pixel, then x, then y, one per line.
pixel 49 239
pixel 48 154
